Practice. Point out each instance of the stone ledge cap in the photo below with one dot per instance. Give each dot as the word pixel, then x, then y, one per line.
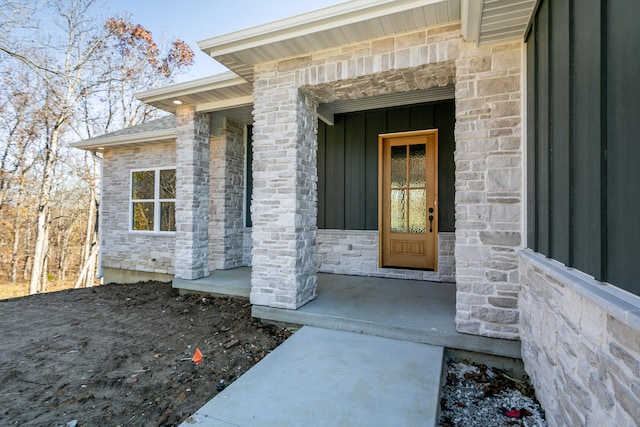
pixel 619 303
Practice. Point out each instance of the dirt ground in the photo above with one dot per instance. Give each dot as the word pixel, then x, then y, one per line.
pixel 122 354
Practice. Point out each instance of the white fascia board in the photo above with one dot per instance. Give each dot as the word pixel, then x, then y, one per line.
pixel 218 81
pixel 471 14
pixel 307 23
pixel 131 139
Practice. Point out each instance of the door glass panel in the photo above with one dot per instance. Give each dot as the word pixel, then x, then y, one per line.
pixel 398 211
pixel 417 211
pixel 399 166
pixel 417 166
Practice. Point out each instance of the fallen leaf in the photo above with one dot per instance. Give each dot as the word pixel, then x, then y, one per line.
pixel 518 413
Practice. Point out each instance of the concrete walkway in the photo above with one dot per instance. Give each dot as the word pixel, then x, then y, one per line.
pixel 371 354
pixel 322 377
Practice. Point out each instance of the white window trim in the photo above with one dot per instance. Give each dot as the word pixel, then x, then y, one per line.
pixel 156 202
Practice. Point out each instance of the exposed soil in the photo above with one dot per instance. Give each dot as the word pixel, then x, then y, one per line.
pixel 122 354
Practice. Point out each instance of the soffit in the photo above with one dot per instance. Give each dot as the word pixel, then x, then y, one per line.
pixel 242 114
pixel 342 24
pixel 214 93
pixel 391 100
pixel 504 20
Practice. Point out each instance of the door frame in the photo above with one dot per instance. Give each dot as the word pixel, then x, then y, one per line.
pixel 381 207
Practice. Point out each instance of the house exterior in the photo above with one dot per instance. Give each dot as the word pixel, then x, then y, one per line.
pixel 486 143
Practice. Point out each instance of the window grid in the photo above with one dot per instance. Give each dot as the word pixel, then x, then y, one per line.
pixel 157 202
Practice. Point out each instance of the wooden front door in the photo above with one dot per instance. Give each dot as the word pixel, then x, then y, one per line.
pixel 408 199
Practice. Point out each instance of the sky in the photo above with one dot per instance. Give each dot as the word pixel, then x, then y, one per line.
pixel 194 20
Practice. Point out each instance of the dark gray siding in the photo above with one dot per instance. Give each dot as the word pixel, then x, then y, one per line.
pixel 348 163
pixel 583 100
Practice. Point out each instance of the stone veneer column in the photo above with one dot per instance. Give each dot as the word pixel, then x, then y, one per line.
pixel 192 195
pixel 226 225
pixel 284 206
pixel 488 189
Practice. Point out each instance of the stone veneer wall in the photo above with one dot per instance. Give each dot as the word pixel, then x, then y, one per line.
pixel 488 189
pixel 488 160
pixel 580 345
pixel 192 198
pixel 226 218
pixel 246 247
pixel 124 250
pixel 355 252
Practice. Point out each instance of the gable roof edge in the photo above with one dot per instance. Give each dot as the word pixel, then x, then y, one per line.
pixel 305 24
pixel 165 135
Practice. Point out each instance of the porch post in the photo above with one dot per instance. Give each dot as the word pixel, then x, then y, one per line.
pixel 284 206
pixel 192 195
pixel 489 194
pixel 226 174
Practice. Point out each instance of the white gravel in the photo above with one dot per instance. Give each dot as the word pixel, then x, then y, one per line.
pixel 475 395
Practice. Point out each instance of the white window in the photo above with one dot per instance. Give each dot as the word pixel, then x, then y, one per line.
pixel 153 200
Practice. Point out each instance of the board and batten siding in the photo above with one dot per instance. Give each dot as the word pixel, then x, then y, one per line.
pixel 348 163
pixel 583 104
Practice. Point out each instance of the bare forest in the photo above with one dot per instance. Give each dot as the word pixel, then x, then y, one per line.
pixel 67 73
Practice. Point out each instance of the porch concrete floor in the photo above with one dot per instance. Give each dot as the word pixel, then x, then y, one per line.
pixel 235 282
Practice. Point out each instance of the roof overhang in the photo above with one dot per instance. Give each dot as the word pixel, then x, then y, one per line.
pixel 503 20
pixel 155 131
pixel 231 94
pixel 216 93
pixel 483 22
pixel 342 24
pixel 99 144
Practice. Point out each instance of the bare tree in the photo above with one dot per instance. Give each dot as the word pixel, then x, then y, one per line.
pixel 76 65
pixel 90 245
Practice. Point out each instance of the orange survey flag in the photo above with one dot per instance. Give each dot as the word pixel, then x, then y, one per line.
pixel 197 356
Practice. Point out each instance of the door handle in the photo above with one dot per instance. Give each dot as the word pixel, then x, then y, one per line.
pixel 430 220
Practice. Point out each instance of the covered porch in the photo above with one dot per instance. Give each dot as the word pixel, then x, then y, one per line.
pixel 410 310
pixel 262 204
